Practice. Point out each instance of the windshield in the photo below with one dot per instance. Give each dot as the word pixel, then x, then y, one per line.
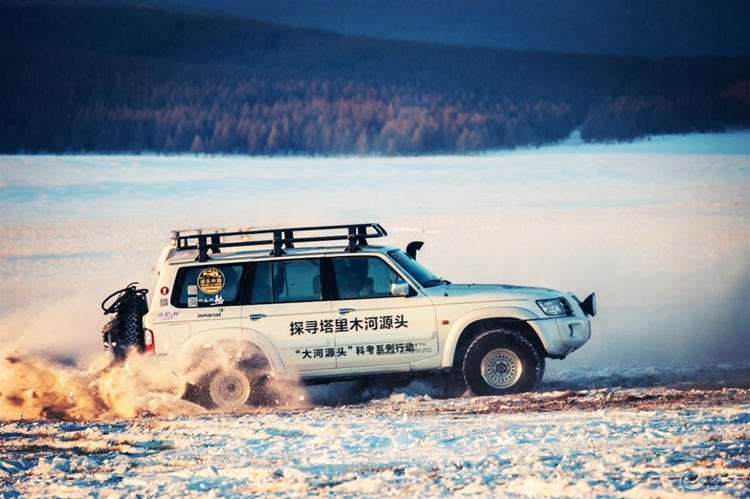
pixel 420 274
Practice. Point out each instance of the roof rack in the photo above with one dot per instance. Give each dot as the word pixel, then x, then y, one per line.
pixel 204 240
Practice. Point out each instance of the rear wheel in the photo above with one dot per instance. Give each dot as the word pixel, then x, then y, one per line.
pixel 226 389
pixel 229 375
pixel 501 362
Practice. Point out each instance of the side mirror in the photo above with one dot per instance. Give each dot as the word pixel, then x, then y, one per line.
pixel 400 288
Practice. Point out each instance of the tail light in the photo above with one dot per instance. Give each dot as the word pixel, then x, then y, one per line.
pixel 148 342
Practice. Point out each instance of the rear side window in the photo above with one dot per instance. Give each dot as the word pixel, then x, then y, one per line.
pixel 207 286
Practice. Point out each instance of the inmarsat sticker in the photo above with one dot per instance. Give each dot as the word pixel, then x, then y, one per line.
pixel 211 281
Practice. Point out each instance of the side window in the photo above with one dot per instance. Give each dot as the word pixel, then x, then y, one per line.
pixel 296 280
pixel 262 287
pixel 281 281
pixel 207 286
pixel 363 277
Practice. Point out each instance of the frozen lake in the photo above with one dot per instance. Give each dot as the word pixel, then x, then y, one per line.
pixel 655 405
pixel 659 229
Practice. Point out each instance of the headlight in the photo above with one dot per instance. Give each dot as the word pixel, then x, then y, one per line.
pixel 554 307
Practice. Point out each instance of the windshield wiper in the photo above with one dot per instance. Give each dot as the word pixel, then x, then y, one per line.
pixel 435 282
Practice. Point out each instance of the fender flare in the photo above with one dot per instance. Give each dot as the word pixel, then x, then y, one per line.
pixel 469 318
pixel 239 334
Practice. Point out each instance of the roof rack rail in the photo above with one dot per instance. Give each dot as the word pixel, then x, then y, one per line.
pixel 204 240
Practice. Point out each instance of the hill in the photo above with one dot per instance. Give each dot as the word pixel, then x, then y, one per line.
pixel 129 79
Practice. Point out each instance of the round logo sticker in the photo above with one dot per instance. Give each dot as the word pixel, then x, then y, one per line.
pixel 164 291
pixel 211 281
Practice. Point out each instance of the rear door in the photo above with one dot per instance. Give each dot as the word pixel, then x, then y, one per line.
pixel 287 307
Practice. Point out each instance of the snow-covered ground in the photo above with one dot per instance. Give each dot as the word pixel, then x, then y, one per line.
pixel 660 229
pixel 462 447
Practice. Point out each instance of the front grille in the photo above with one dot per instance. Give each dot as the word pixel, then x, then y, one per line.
pixel 566 306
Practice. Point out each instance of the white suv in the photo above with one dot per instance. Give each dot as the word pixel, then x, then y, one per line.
pixel 226 318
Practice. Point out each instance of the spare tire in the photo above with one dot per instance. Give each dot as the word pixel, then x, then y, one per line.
pixel 125 330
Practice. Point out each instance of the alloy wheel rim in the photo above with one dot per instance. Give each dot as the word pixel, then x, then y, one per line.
pixel 501 368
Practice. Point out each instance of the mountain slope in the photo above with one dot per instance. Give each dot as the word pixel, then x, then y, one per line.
pixel 116 79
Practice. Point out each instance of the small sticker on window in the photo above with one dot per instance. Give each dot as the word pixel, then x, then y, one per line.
pixel 193 301
pixel 211 281
pixel 192 289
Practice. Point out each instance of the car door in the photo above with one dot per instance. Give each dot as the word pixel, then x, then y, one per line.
pixel 287 308
pixel 374 330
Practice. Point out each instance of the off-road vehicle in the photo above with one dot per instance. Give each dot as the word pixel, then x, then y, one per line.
pixel 226 314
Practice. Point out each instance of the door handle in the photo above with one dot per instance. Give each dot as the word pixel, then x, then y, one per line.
pixel 344 311
pixel 257 317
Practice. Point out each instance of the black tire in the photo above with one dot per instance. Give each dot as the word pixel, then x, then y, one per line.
pixel 122 333
pixel 125 330
pixel 542 367
pixel 501 362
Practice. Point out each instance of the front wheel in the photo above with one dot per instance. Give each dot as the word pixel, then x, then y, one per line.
pixel 501 362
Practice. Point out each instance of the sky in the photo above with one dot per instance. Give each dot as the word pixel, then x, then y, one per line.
pixel 653 28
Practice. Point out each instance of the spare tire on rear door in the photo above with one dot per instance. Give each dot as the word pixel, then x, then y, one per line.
pixel 125 330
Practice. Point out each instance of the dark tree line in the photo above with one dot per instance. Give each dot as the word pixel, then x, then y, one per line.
pixel 112 80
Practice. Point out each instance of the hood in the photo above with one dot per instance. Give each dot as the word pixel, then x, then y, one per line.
pixel 488 292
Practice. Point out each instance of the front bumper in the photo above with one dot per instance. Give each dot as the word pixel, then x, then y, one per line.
pixel 563 335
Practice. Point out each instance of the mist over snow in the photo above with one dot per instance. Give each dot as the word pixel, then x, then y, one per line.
pixel 659 229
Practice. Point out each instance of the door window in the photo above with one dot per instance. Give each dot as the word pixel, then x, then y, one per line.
pixel 363 277
pixel 262 284
pixel 286 281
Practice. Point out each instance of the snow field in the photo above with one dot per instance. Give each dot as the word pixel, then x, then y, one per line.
pixel 380 449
